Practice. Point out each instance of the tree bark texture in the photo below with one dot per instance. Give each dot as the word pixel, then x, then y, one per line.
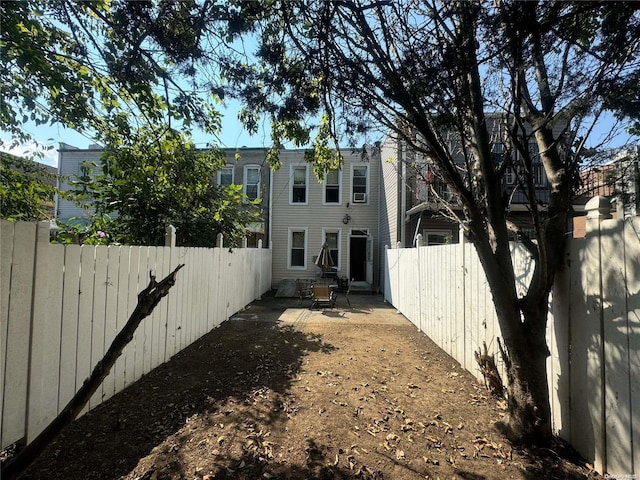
pixel 147 301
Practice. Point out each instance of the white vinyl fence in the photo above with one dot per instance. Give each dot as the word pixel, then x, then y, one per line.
pixel 62 305
pixel 593 330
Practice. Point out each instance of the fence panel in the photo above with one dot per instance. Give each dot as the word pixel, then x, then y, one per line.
pixel 69 335
pixel 617 394
pixel 61 307
pixel 632 245
pixel 18 326
pixel 593 329
pixel 632 286
pixel 123 310
pixel 44 365
pixel 135 285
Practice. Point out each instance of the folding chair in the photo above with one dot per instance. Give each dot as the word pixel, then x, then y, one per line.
pixel 322 296
pixel 303 290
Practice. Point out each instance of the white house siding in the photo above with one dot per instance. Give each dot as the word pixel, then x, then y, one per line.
pixel 253 157
pixel 70 159
pixel 390 197
pixel 315 216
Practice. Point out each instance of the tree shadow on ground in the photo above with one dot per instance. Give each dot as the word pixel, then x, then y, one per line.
pixel 228 366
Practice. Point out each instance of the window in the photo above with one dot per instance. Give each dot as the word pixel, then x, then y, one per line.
pixel 538 175
pixel 359 184
pixel 332 187
pixel 510 176
pixel 332 239
pixel 297 249
pixel 533 153
pixel 225 176
pixel 252 181
pixel 436 237
pixel 299 185
pixel 497 153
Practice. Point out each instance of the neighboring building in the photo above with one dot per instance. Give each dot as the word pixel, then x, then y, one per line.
pixel 342 211
pixel 245 166
pixel 619 180
pixel 75 163
pixel 414 195
pixel 300 213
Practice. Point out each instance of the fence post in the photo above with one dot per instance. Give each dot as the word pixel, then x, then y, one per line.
pixel 245 242
pixel 398 289
pixel 170 236
pixel 598 209
pixel 219 240
pixel 387 280
pixel 260 253
pixel 463 297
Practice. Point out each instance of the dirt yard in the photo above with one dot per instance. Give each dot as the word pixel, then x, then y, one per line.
pixel 281 392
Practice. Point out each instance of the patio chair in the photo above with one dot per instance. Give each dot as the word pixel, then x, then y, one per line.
pixel 322 296
pixel 303 290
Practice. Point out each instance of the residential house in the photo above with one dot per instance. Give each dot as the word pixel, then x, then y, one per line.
pixel 618 179
pixel 74 163
pixel 300 213
pixel 412 194
pixel 342 211
pixel 245 166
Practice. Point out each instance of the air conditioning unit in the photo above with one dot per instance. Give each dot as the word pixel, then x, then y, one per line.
pixel 359 197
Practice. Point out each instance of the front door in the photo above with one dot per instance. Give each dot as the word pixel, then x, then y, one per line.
pixel 358 258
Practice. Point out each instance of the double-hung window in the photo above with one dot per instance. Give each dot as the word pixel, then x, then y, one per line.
pixel 297 248
pixel 539 177
pixel 225 176
pixel 332 187
pixel 299 184
pixel 497 153
pixel 359 183
pixel 252 181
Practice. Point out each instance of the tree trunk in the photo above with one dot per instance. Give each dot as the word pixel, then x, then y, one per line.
pixel 528 418
pixel 147 301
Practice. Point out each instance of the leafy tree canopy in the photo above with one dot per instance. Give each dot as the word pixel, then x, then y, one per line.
pixel 27 189
pixel 100 66
pixel 150 182
pixel 125 72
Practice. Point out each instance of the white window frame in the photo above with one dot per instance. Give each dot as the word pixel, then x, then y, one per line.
pixel 324 189
pixel 510 176
pixel 445 233
pixel 539 176
pixel 226 167
pixel 339 241
pixel 290 233
pixel 366 192
pixel 245 176
pixel 292 169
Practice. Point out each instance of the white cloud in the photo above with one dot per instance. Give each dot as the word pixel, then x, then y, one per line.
pixel 39 151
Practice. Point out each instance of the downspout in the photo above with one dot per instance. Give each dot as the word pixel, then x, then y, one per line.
pixel 402 194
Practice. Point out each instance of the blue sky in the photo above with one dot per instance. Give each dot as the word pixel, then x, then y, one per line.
pixel 233 135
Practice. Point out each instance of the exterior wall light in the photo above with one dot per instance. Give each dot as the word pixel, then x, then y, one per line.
pixel 346 218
